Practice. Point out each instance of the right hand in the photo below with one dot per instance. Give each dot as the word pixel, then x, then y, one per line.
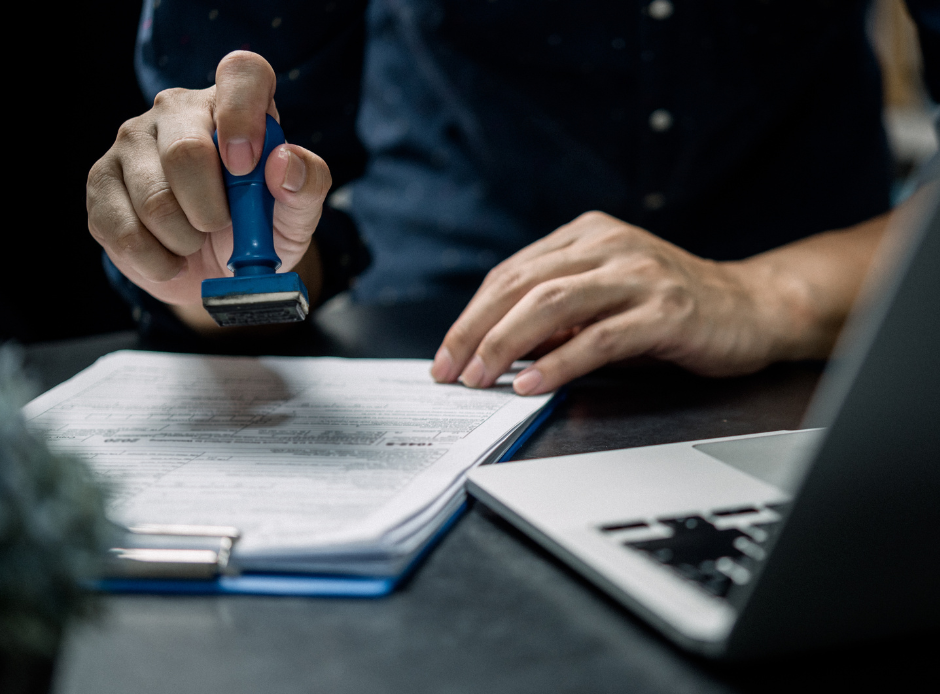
pixel 156 200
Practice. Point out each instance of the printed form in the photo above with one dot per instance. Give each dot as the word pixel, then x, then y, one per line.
pixel 315 460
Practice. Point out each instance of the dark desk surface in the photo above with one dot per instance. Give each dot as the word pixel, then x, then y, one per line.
pixel 488 610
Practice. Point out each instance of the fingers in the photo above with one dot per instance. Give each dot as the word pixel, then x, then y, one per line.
pixel 114 221
pixel 245 84
pixel 505 287
pixel 560 304
pixel 579 246
pixel 190 162
pixel 618 337
pixel 153 198
pixel 299 181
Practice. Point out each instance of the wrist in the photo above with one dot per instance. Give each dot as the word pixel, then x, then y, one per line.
pixel 789 313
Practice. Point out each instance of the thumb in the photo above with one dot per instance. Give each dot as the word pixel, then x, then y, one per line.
pixel 244 92
pixel 299 181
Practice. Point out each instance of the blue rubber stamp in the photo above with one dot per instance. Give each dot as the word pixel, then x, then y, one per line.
pixel 257 294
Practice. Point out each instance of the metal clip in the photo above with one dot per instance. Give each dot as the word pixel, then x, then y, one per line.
pixel 173 552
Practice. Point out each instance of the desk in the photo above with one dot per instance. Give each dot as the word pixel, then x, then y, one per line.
pixel 488 611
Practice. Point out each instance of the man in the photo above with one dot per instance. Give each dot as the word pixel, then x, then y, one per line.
pixel 748 138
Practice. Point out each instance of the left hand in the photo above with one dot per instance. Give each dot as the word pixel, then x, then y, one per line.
pixel 599 290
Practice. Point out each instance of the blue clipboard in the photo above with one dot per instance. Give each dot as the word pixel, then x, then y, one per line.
pixel 309 585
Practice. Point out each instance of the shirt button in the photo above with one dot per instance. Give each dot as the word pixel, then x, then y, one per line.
pixel 660 120
pixel 660 9
pixel 654 201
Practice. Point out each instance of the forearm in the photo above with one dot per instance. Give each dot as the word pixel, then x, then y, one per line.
pixel 804 291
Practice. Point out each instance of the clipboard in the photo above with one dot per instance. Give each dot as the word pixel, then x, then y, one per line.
pixel 194 560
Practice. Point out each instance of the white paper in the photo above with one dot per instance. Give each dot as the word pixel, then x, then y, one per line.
pixel 304 455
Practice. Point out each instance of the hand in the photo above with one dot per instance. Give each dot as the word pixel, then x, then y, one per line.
pixel 599 290
pixel 156 200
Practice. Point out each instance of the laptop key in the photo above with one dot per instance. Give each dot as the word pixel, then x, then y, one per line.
pixel 702 553
pixel 739 511
pixel 615 527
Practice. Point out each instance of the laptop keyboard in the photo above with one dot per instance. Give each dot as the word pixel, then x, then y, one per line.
pixel 715 550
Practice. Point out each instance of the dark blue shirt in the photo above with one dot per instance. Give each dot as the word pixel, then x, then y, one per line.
pixel 470 128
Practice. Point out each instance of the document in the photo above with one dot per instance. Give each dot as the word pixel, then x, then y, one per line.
pixel 324 464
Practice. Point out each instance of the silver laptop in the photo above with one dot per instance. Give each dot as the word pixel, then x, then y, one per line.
pixel 748 546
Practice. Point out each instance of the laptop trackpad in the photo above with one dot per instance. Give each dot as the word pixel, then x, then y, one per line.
pixel 779 459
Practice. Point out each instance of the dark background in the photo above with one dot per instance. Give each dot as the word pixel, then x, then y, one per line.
pixel 73 86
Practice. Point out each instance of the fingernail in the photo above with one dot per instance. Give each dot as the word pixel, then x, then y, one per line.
pixel 239 157
pixel 442 366
pixel 527 381
pixel 296 174
pixel 474 374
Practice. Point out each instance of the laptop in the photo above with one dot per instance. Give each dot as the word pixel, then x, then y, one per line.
pixel 756 545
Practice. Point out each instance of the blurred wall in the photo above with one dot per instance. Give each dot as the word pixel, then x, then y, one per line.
pixel 908 110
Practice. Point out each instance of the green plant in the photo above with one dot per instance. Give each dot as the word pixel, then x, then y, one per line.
pixel 52 527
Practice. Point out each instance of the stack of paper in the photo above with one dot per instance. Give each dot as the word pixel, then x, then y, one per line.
pixel 327 466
